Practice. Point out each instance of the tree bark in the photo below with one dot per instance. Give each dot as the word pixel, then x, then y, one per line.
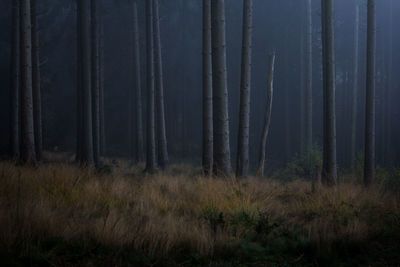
pixel 309 82
pixel 329 172
pixel 15 81
pixel 139 122
pixel 242 160
pixel 267 120
pixel 28 152
pixel 369 165
pixel 222 159
pixel 207 90
pixel 86 97
pixel 101 93
pixel 161 132
pixel 355 89
pixel 151 146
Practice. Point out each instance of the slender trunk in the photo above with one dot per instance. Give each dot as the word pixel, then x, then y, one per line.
pixel 28 152
pixel 15 81
pixel 288 151
pixel 151 145
pixel 101 93
pixel 302 95
pixel 37 103
pixel 79 94
pixel 369 165
pixel 161 132
pixel 355 89
pixel 242 161
pixel 388 130
pixel 222 159
pixel 309 83
pixel 329 172
pixel 267 120
pixel 139 122
pixel 207 90
pixel 86 96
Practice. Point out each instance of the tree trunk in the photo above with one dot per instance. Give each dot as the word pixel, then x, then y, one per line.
pixel 369 166
pixel 222 159
pixel 86 96
pixel 28 152
pixel 207 90
pixel 101 93
pixel 15 81
pixel 309 83
pixel 242 161
pixel 139 122
pixel 79 93
pixel 355 89
pixel 37 103
pixel 161 132
pixel 267 120
pixel 302 93
pixel 329 172
pixel 151 145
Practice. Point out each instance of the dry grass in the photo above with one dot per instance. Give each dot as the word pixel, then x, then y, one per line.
pixel 179 212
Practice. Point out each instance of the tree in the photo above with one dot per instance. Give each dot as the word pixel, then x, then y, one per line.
pixel 101 93
pixel 369 165
pixel 267 120
pixel 355 87
pixel 139 121
pixel 242 160
pixel 222 159
pixel 15 81
pixel 95 81
pixel 151 144
pixel 28 152
pixel 329 170
pixel 309 84
pixel 161 132
pixel 86 134
pixel 207 90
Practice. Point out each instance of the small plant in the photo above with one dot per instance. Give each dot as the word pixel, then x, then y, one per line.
pixel 306 165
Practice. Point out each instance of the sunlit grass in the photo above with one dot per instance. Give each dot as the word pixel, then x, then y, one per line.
pixel 184 217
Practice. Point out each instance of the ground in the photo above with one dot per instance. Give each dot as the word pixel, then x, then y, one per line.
pixel 61 215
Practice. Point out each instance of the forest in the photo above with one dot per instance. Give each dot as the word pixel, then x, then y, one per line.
pixel 199 133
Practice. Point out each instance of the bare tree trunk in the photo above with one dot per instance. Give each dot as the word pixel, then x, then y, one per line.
pixel 86 96
pixel 222 159
pixel 355 89
pixel 207 90
pixel 369 166
pixel 329 172
pixel 267 120
pixel 28 152
pixel 161 132
pixel 302 93
pixel 101 93
pixel 95 82
pixel 15 81
pixel 79 93
pixel 139 122
pixel 309 82
pixel 242 160
pixel 37 103
pixel 151 143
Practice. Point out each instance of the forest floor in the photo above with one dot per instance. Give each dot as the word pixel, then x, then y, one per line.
pixel 61 215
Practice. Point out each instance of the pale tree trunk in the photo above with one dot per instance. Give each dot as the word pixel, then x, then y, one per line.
pixel 288 151
pixel 101 93
pixel 242 160
pixel 207 90
pixel 139 122
pixel 85 86
pixel 15 81
pixel 222 159
pixel 329 172
pixel 267 120
pixel 151 143
pixel 79 94
pixel 355 89
pixel 28 153
pixel 309 82
pixel 302 94
pixel 369 165
pixel 37 103
pixel 161 132
pixel 95 82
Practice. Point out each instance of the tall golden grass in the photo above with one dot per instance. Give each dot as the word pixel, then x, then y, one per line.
pixel 180 209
